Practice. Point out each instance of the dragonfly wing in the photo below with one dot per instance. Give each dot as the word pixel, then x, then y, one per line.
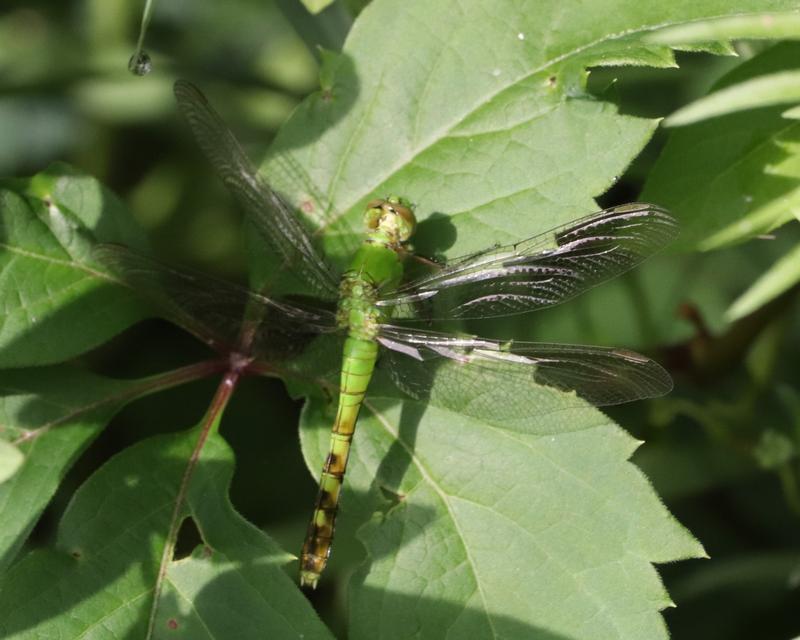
pixel 274 218
pixel 515 380
pixel 216 311
pixel 539 272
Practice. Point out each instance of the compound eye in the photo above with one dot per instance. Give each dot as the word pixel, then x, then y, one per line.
pixel 408 222
pixel 373 215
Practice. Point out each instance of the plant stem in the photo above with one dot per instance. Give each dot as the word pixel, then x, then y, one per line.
pixel 209 423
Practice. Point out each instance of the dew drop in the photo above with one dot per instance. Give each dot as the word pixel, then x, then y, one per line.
pixel 521 36
pixel 140 63
pixel 496 73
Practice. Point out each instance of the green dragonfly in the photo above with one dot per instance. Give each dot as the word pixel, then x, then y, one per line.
pixel 369 312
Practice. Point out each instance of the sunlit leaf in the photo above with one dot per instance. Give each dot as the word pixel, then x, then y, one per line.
pixel 503 530
pixel 785 25
pixel 500 141
pixel 765 91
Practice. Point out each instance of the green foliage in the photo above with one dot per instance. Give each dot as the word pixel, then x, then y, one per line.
pixel 10 460
pixel 454 523
pixel 105 573
pixel 733 177
pixel 48 225
pixel 764 91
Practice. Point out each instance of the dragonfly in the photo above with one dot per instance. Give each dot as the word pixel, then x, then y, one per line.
pixel 370 313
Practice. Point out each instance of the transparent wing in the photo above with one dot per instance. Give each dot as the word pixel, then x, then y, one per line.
pixel 274 218
pixel 515 380
pixel 225 316
pixel 539 272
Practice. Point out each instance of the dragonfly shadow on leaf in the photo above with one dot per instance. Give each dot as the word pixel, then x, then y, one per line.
pixel 395 464
pixel 434 235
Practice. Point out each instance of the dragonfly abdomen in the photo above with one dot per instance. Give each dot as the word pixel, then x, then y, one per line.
pixel 358 363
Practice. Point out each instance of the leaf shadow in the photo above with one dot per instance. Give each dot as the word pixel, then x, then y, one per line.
pixel 409 612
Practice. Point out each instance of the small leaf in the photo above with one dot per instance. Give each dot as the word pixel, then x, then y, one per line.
pixel 756 25
pixel 11 460
pixel 765 91
pixel 783 275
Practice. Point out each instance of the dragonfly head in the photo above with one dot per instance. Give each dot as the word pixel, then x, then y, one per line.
pixel 392 217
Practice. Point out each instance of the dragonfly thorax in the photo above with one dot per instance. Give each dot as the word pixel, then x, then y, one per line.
pixel 357 311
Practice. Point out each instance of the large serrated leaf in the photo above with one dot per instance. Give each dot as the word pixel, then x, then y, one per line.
pixel 474 110
pixel 106 569
pixel 499 532
pixel 52 415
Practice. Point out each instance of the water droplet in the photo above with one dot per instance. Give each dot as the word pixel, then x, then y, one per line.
pixel 140 63
pixel 748 199
pixel 496 73
pixel 521 35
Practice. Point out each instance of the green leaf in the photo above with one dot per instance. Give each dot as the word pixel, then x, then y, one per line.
pixel 756 25
pixel 52 415
pixel 765 91
pixel 783 275
pixel 315 6
pixel 11 460
pixel 503 530
pixel 734 177
pixel 56 304
pixel 480 115
pixel 106 568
